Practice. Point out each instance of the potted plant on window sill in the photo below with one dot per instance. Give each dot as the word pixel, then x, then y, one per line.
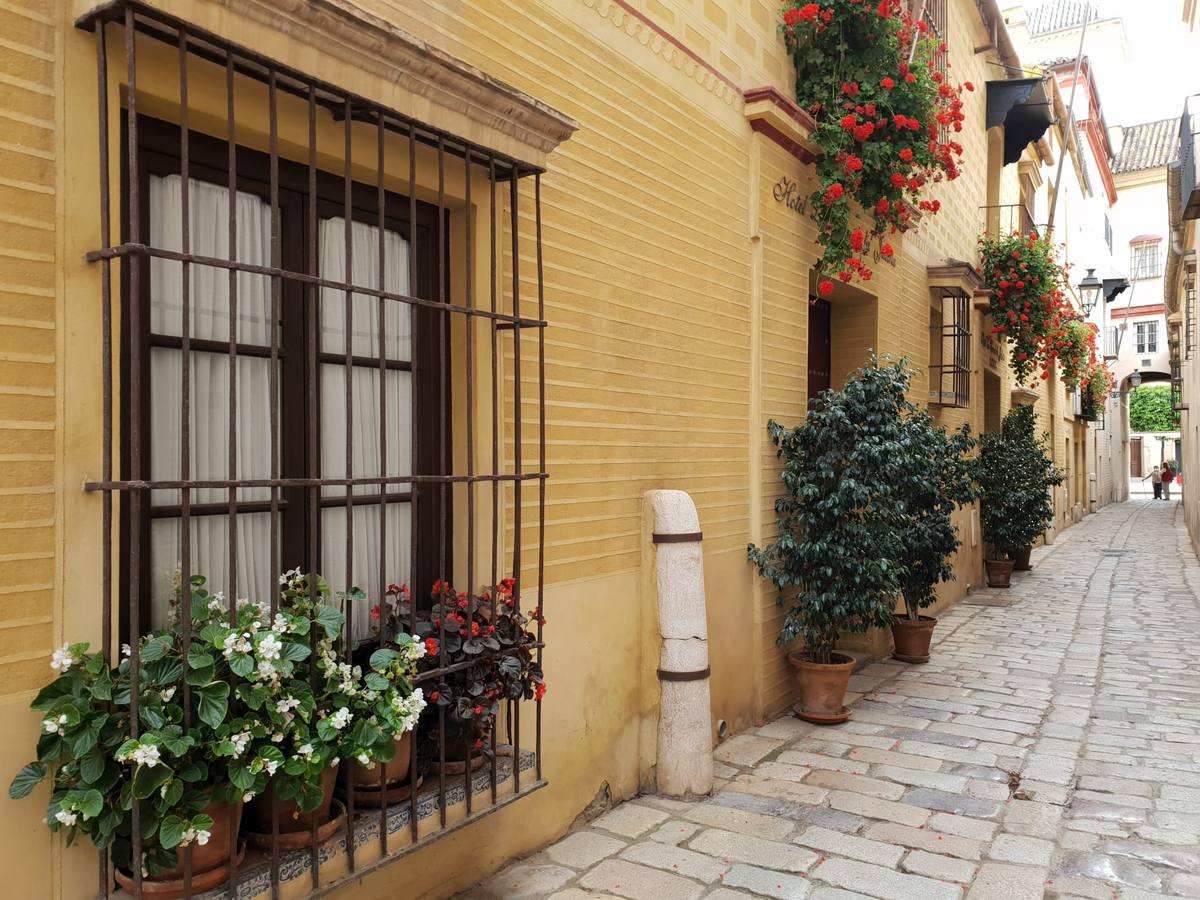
pixel 936 481
pixel 837 558
pixel 190 771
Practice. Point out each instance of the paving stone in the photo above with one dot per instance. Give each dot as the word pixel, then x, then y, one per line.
pixel 1113 869
pixel 1019 848
pixel 924 839
pixel 723 893
pixel 1186 885
pixel 521 881
pixel 746 749
pixel 739 820
pixel 674 832
pixel 579 894
pixel 1043 767
pixel 677 860
pixel 773 788
pixel 884 883
pixel 802 760
pixel 874 808
pixel 953 803
pixel 921 778
pixel 731 846
pixel 943 868
pixel 787 728
pixel 952 754
pixel 1184 860
pixel 872 787
pixel 1002 882
pixel 767 883
pixel 838 844
pixel 1029 817
pixel 828 893
pixel 583 849
pixel 631 819
pixel 975 829
pixel 626 879
pixel 1106 812
pixel 891 758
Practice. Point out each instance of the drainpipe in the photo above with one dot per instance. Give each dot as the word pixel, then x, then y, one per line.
pixel 684 764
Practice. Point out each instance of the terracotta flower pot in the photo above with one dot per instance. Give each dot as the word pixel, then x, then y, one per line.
pixel 397 767
pixel 1021 560
pixel 291 817
pixel 210 862
pixel 912 638
pixel 822 687
pixel 999 572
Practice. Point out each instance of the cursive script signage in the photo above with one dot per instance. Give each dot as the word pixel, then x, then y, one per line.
pixel 787 192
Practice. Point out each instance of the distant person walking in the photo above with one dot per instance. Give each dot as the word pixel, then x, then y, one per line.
pixel 1155 477
pixel 1168 475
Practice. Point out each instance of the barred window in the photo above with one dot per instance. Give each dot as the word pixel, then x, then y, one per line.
pixel 284 362
pixel 950 348
pixel 1145 260
pixel 1146 336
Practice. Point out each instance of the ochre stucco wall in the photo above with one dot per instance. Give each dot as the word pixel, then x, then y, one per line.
pixel 676 287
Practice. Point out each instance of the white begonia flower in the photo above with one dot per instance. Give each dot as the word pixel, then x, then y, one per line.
pixel 270 646
pixel 266 671
pixel 162 791
pixel 146 756
pixel 235 643
pixel 62 660
pixel 286 705
pixel 279 623
pixel 342 718
pixel 202 836
pixel 287 578
pixel 335 761
pixel 126 650
pixel 248 796
pixel 215 604
pixel 66 817
pixel 305 752
pixel 51 725
pixel 167 694
pixel 277 738
pixel 240 741
pixel 272 765
pixel 364 759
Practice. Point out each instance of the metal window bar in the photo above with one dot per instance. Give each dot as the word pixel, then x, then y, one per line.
pixel 1112 341
pixel 952 375
pixel 1145 260
pixel 359 118
pixel 1189 315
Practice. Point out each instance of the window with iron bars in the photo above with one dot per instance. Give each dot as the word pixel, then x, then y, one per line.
pixel 284 364
pixel 1146 337
pixel 950 348
pixel 1189 315
pixel 1145 260
pixel 935 16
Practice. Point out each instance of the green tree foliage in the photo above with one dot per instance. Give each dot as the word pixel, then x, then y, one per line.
pixel 854 491
pixel 1014 473
pixel 1150 410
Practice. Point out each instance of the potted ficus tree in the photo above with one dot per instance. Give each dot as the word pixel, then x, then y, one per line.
pixel 1014 474
pixel 191 770
pixel 935 480
pixel 836 560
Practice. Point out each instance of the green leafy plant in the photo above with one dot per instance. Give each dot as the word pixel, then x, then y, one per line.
pixel 881 121
pixel 1150 409
pixel 1096 382
pixel 838 557
pixel 1014 474
pixel 936 479
pixel 1076 346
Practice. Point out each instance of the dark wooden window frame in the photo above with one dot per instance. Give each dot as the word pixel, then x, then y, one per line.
pixel 431 528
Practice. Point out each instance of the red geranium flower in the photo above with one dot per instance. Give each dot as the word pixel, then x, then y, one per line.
pixel 887 250
pixel 856 239
pixel 888 83
pixel 906 154
pixel 431 646
pixel 825 288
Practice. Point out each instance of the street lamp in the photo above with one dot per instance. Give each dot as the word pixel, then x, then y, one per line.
pixel 1135 380
pixel 1089 291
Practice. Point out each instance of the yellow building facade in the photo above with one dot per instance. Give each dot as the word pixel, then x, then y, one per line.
pixel 676 259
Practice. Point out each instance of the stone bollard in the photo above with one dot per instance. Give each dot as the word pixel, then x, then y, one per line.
pixel 684 755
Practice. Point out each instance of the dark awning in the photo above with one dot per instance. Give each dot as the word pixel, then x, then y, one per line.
pixel 1022 107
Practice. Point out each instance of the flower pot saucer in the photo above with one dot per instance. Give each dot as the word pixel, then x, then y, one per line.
pixel 295 840
pixel 826 719
pixel 911 659
pixel 170 889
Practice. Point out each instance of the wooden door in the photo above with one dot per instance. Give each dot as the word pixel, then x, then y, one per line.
pixel 1135 457
pixel 820 347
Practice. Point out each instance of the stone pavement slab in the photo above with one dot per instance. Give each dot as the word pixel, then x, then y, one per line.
pixel 1050 748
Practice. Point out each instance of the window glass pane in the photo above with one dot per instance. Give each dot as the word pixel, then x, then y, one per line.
pixel 208 206
pixel 210 422
pixel 365 272
pixel 210 558
pixel 365 400
pixel 365 572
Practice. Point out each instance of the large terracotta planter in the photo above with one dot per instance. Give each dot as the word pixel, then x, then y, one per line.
pixel 912 639
pixel 822 688
pixel 999 572
pixel 210 862
pixel 1021 560
pixel 396 768
pixel 291 817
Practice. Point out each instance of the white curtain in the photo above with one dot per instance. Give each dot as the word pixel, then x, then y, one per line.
pixel 364 398
pixel 209 216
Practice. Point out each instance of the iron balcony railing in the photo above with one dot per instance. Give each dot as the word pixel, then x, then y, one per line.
pixel 1189 189
pixel 1008 218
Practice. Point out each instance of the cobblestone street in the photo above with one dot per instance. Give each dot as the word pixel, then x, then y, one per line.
pixel 1051 748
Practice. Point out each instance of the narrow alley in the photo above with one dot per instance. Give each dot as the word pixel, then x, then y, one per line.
pixel 1051 748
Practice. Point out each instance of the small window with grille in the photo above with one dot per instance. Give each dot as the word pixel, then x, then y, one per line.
pixel 1145 260
pixel 1146 336
pixel 950 348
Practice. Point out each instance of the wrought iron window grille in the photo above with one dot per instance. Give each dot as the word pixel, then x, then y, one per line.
pixel 450 391
pixel 950 377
